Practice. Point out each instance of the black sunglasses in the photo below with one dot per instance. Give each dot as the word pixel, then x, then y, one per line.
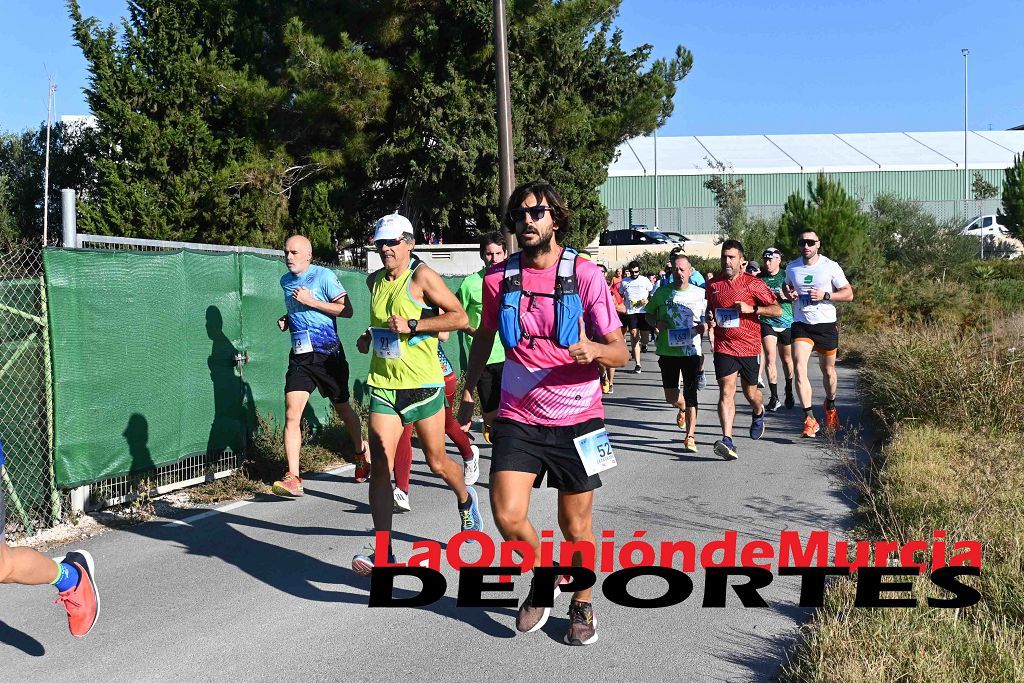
pixel 536 213
pixel 806 243
pixel 380 244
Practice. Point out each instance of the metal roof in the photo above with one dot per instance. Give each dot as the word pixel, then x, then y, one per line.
pixel 831 153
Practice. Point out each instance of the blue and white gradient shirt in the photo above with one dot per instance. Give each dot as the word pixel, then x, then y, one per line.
pixel 312 330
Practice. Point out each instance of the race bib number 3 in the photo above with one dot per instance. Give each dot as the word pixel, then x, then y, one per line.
pixel 680 337
pixel 301 342
pixel 727 317
pixel 595 451
pixel 385 343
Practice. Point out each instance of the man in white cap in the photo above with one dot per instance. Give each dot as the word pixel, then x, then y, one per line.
pixel 314 299
pixel 409 305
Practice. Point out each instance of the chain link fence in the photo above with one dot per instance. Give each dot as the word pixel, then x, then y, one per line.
pixel 26 400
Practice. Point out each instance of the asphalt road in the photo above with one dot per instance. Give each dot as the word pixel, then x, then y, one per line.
pixel 263 591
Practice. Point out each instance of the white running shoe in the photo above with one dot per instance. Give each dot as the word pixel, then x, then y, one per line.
pixel 402 501
pixel 472 467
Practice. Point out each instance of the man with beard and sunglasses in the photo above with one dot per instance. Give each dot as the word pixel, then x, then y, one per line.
pixel 556 318
pixel 409 305
pixel 815 282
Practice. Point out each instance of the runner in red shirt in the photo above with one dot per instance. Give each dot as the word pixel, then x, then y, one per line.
pixel 735 299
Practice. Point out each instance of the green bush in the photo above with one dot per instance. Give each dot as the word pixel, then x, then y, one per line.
pixel 906 234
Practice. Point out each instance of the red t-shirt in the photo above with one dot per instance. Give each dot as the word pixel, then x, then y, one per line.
pixel 737 334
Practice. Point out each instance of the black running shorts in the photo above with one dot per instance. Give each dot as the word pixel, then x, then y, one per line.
pixel 637 321
pixel 327 372
pixel 747 366
pixel 522 447
pixel 687 366
pixel 823 336
pixel 785 337
pixel 489 387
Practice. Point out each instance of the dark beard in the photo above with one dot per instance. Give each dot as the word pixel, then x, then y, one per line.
pixel 532 253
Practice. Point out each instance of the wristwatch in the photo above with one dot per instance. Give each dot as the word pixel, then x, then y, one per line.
pixel 828 295
pixel 413 323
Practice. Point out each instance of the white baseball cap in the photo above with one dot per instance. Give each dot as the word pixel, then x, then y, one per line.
pixel 391 227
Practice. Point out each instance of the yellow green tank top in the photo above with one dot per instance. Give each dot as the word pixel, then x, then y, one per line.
pixel 410 361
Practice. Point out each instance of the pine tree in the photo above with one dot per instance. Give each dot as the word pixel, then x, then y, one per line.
pixel 835 216
pixel 1012 213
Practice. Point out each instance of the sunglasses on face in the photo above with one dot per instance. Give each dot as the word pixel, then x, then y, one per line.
pixel 536 213
pixel 380 244
pixel 806 243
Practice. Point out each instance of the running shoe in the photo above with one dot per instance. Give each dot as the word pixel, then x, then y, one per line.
pixel 531 618
pixel 471 467
pixel 702 382
pixel 471 519
pixel 831 420
pixel 611 388
pixel 760 382
pixel 690 445
pixel 726 449
pixel 681 419
pixel 643 348
pixel 637 369
pixel 789 400
pixel 810 428
pixel 402 503
pixel 363 564
pixel 757 426
pixel 289 485
pixel 486 431
pixel 83 601
pixel 582 625
pixel 773 404
pixel 606 388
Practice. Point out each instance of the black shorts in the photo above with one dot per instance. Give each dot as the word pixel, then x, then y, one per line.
pixel 637 321
pixel 522 447
pixel 785 337
pixel 327 372
pixel 823 336
pixel 747 366
pixel 687 366
pixel 489 387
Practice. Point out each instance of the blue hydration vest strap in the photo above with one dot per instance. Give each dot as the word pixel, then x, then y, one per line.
pixel 568 305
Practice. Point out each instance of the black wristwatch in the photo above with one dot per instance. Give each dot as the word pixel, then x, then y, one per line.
pixel 413 323
pixel 828 295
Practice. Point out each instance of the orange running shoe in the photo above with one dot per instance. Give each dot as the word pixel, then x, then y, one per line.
pixel 486 432
pixel 811 428
pixel 289 485
pixel 362 473
pixel 83 601
pixel 831 420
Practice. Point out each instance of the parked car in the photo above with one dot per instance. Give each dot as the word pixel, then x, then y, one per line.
pixel 631 236
pixel 985 226
pixel 683 239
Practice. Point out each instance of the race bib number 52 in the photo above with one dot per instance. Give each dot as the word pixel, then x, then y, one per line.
pixel 595 451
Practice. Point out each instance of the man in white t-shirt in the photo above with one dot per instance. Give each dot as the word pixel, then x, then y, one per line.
pixel 636 291
pixel 814 282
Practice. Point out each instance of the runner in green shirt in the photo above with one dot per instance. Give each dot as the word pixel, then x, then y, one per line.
pixel 776 336
pixel 677 313
pixel 470 294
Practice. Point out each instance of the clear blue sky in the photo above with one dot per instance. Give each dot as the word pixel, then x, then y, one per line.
pixel 798 66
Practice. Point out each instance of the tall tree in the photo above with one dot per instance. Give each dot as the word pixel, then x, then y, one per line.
pixel 835 216
pixel 1012 213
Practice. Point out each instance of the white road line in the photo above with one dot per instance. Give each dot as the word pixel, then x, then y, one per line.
pixel 240 503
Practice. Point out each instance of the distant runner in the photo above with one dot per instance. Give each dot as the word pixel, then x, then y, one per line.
pixel 776 335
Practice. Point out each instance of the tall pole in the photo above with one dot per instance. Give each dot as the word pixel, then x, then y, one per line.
pixel 52 88
pixel 657 222
pixel 506 172
pixel 967 196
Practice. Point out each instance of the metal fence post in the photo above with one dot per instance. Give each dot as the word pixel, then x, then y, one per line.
pixel 69 220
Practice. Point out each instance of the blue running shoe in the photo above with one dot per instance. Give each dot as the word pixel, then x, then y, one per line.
pixel 725 448
pixel 470 518
pixel 757 426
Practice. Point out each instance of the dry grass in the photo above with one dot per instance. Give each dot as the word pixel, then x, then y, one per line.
pixel 952 404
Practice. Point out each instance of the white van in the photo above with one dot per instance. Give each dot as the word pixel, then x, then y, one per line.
pixel 985 226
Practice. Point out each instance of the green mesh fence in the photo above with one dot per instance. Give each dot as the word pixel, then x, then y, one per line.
pixel 26 480
pixel 144 349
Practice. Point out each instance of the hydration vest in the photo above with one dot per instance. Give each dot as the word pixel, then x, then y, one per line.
pixel 568 305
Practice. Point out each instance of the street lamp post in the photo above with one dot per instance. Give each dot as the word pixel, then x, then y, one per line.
pixel 506 172
pixel 967 196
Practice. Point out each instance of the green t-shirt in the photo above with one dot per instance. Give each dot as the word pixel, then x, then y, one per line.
pixel 682 309
pixel 471 296
pixel 775 283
